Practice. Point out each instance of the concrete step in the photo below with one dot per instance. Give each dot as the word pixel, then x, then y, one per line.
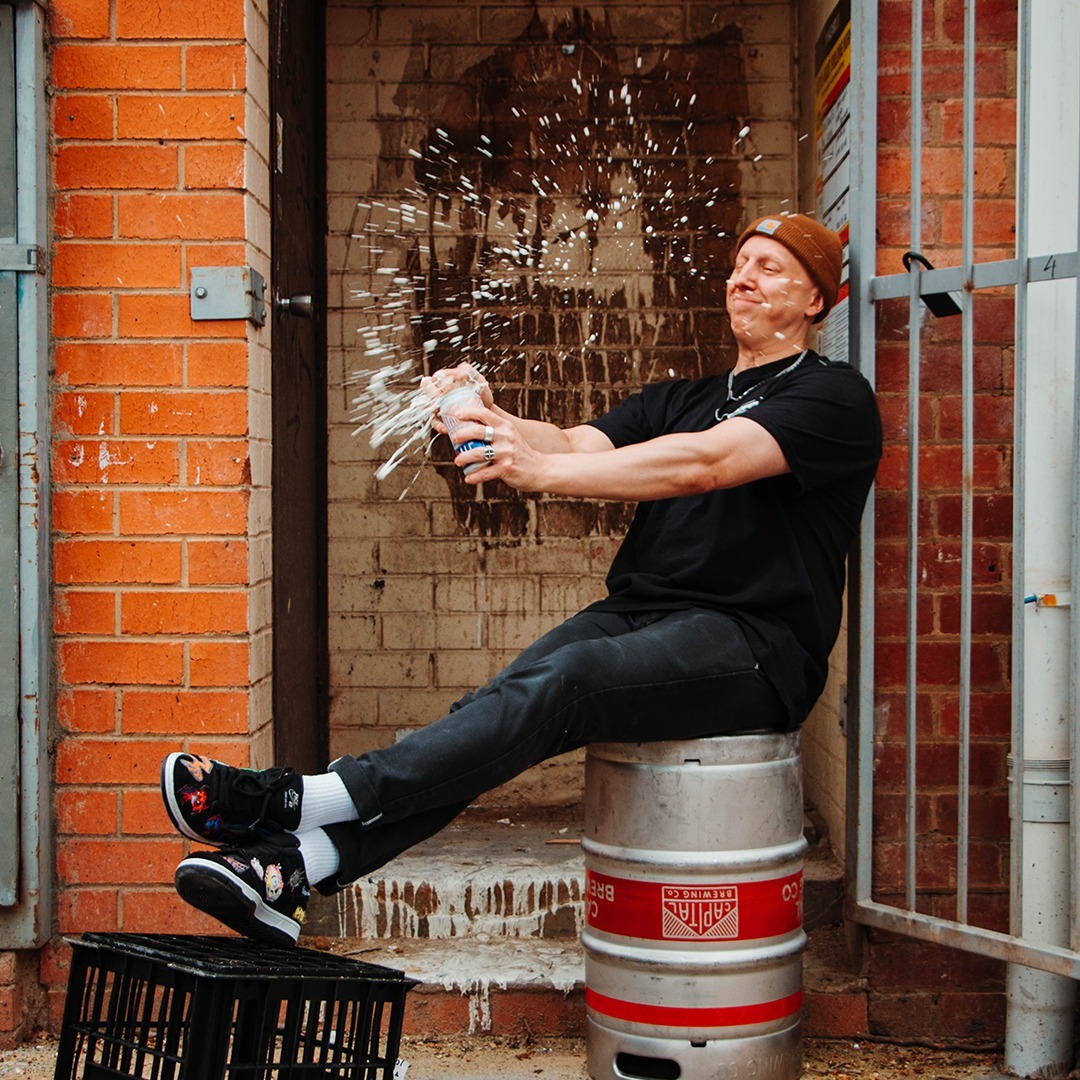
pixel 483 877
pixel 512 888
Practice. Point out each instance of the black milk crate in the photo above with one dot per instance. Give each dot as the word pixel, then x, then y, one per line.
pixel 173 1007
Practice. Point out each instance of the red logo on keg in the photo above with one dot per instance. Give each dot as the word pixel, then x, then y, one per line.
pixel 701 913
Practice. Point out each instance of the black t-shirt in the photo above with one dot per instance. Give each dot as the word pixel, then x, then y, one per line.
pixel 771 553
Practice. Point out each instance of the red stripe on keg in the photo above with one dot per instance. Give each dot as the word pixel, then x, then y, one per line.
pixel 688 1017
pixel 678 911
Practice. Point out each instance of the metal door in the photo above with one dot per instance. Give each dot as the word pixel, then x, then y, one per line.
pixel 298 281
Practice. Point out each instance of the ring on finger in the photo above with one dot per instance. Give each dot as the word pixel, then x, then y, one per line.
pixel 489 434
pixel 489 454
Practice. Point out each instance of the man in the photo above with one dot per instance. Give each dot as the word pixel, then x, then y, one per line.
pixel 723 601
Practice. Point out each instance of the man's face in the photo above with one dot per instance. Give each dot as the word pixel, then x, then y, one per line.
pixel 770 296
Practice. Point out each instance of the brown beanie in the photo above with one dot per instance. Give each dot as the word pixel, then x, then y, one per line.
pixel 817 248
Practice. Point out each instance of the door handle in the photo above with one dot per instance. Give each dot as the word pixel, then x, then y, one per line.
pixel 300 305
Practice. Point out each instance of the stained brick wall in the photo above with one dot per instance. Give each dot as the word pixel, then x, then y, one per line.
pixel 550 193
pixel 161 426
pixel 919 990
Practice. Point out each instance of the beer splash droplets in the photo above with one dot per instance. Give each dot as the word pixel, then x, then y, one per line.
pixel 589 244
pixel 391 405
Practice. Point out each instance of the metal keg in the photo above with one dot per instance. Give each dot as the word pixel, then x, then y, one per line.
pixel 693 932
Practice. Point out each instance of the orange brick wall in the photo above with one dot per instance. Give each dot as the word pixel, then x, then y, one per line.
pixel 160 439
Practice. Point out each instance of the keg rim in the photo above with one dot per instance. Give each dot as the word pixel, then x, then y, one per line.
pixel 762 748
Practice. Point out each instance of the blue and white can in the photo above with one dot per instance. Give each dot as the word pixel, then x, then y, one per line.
pixel 460 397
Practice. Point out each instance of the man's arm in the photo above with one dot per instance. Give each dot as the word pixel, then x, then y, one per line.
pixel 533 455
pixel 734 452
pixel 550 439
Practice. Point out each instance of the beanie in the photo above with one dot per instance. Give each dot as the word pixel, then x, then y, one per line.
pixel 819 249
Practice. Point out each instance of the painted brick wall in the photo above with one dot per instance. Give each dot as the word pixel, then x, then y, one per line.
pixel 920 990
pixel 160 460
pixel 551 193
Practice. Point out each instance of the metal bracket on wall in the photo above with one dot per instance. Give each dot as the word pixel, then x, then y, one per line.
pixel 228 292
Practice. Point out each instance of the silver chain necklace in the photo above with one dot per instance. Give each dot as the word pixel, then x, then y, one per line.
pixel 754 386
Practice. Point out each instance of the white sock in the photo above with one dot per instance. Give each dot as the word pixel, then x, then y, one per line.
pixel 321 859
pixel 325 801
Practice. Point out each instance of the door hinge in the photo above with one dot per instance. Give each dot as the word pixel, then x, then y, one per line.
pixel 22 258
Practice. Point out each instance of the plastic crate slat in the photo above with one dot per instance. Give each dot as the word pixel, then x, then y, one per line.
pixel 102 1072
pixel 176 1031
pixel 221 957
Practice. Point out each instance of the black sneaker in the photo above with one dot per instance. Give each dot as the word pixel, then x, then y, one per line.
pixel 259 890
pixel 210 801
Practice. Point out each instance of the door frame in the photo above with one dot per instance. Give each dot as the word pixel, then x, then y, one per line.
pixel 26 922
pixel 301 641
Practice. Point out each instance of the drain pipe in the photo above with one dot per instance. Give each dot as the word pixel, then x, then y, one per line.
pixel 1040 1006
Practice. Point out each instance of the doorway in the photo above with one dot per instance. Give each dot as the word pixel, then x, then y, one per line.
pixel 299 385
pixel 552 193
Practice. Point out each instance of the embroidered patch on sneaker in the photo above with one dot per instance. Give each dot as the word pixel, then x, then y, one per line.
pixel 198 766
pixel 275 883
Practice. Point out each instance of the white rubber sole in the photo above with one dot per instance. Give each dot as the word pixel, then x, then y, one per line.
pixel 218 892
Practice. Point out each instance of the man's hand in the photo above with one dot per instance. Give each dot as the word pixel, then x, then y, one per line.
pixel 508 456
pixel 536 435
pixel 434 386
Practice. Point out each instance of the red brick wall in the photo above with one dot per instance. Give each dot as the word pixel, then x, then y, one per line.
pixel 920 990
pixel 158 498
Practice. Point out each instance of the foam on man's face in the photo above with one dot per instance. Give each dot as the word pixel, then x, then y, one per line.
pixel 769 294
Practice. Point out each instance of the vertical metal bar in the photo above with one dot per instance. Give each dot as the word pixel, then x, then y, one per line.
pixel 8 133
pixel 9 479
pixel 1016 817
pixel 967 470
pixel 863 263
pixel 914 342
pixel 1074 632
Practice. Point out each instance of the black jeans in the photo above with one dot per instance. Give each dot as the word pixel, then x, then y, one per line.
pixel 599 677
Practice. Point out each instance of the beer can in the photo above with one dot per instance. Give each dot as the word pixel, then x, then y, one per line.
pixel 453 399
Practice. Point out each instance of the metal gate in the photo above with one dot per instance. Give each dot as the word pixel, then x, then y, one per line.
pixel 25 875
pixel 1041 276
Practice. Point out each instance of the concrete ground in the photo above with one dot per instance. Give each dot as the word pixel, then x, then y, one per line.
pixel 488 1059
pixel 476 1059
